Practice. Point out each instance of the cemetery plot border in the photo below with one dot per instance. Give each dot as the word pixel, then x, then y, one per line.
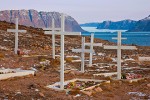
pixel 130 80
pixel 106 74
pixel 9 73
pixel 56 86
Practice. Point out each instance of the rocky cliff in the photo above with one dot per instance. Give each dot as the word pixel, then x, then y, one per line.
pixel 123 25
pixel 39 19
pixel 142 25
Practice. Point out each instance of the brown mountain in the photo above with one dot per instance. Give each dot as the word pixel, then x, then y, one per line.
pixel 38 19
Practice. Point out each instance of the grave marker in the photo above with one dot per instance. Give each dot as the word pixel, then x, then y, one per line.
pixel 62 33
pixel 83 50
pixel 9 73
pixel 92 44
pixel 119 47
pixel 16 34
pixel 53 30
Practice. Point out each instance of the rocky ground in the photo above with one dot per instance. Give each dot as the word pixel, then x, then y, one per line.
pixel 38 47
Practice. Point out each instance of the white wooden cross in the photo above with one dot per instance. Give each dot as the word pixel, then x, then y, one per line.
pixel 92 44
pixel 119 47
pixel 53 30
pixel 83 50
pixel 16 34
pixel 62 33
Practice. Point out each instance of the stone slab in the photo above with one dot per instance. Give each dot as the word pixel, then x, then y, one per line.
pixel 9 73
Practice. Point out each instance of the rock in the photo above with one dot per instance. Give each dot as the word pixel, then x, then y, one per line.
pixel 78 95
pixel 37 90
pixel 98 89
pixel 31 86
pixel 75 72
pixel 18 92
pixel 107 82
pixel 148 85
pixel 41 94
pixel 89 93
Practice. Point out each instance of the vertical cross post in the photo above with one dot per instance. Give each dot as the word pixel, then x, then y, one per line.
pixel 53 40
pixel 91 48
pixel 62 53
pixel 92 44
pixel 82 54
pixel 119 56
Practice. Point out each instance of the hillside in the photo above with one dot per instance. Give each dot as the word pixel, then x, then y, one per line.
pixel 36 54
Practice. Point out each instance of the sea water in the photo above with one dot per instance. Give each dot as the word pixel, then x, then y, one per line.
pixel 133 38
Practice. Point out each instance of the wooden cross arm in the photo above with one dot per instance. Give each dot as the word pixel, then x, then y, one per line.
pixel 117 38
pixel 122 47
pixel 110 47
pixel 128 47
pixel 85 50
pixel 50 29
pixel 14 30
pixel 94 44
pixel 62 33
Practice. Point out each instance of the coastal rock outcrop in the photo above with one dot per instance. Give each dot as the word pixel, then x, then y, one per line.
pixel 142 25
pixel 123 25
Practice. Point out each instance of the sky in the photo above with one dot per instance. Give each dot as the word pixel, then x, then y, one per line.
pixel 84 11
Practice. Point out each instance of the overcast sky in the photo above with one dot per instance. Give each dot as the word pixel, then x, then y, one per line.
pixel 86 10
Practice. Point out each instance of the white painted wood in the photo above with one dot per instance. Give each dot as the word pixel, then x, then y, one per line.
pixel 73 56
pixel 16 31
pixel 62 53
pixel 76 60
pixel 82 54
pixel 80 50
pixel 92 44
pixel 83 50
pixel 52 30
pixel 91 48
pixel 128 47
pixel 95 44
pixel 62 33
pixel 106 74
pixel 119 47
pixel 16 73
pixel 12 30
pixel 53 39
pixel 122 47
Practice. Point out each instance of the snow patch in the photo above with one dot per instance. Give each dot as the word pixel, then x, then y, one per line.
pixel 137 94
